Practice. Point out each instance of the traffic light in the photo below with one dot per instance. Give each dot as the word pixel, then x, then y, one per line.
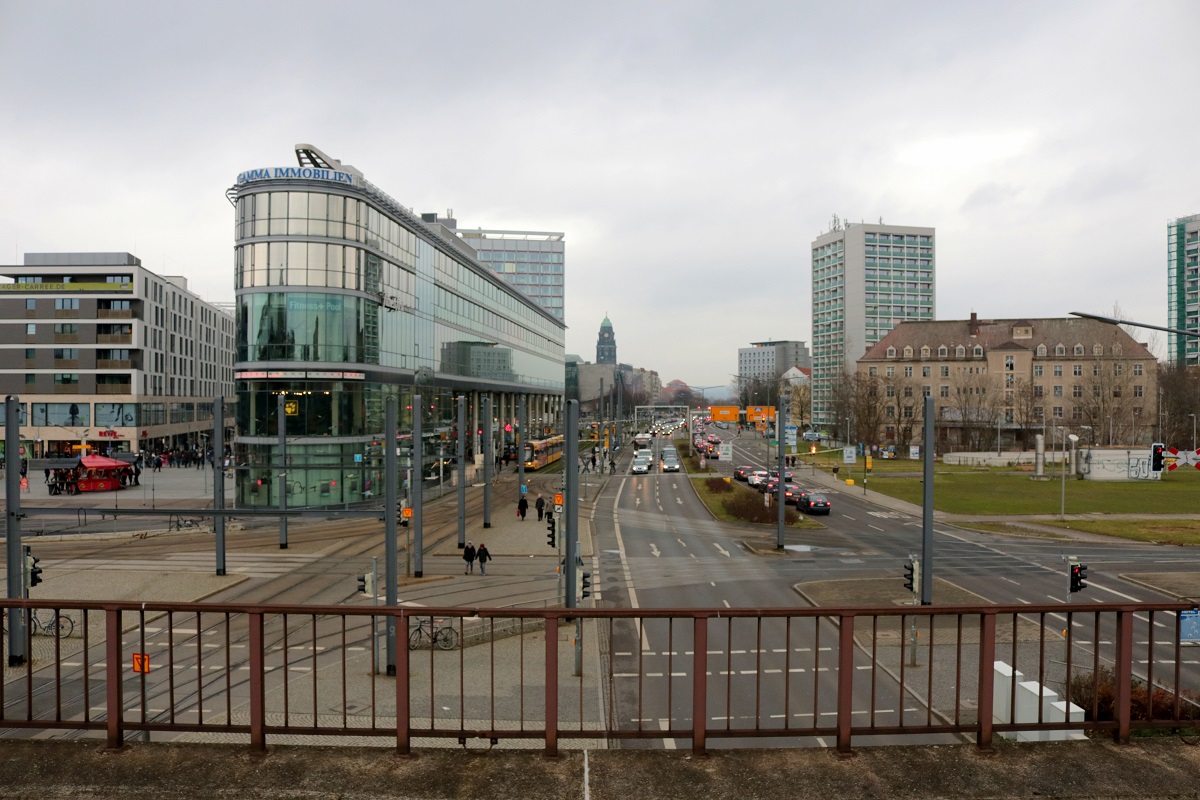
pixel 812 449
pixel 32 570
pixel 1078 576
pixel 551 526
pixel 912 575
pixel 1156 456
pixel 366 583
pixel 586 585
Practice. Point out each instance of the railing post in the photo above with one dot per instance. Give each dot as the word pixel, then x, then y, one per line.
pixel 699 684
pixel 116 696
pixel 987 680
pixel 551 686
pixel 1124 667
pixel 403 723
pixel 845 702
pixel 258 734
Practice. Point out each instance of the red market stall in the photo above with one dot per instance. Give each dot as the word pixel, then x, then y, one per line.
pixel 92 474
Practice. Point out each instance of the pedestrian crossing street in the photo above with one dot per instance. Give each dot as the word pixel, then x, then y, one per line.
pixel 253 565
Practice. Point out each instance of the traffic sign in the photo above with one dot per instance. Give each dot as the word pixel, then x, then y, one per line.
pixel 558 509
pixel 407 512
pixel 849 454
pixel 141 662
pixel 558 498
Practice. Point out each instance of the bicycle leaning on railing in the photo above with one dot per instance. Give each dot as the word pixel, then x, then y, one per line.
pixel 426 632
pixel 55 622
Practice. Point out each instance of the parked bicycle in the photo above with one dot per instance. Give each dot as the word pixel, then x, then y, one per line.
pixel 53 622
pixel 445 637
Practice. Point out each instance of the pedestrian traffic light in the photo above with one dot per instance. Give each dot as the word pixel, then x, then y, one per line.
pixel 551 525
pixel 912 575
pixel 32 570
pixel 366 583
pixel 1078 576
pixel 812 448
pixel 1156 456
pixel 586 585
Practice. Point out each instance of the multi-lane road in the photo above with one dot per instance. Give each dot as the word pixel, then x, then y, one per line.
pixel 658 547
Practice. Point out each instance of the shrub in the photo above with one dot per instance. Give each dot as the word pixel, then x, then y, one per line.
pixel 747 505
pixel 718 485
pixel 1098 692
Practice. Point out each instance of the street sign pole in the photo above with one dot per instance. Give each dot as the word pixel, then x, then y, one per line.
pixel 927 503
pixel 391 567
pixel 570 519
pixel 461 453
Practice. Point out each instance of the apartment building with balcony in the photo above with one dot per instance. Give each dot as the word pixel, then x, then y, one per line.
pixel 1183 289
pixel 109 357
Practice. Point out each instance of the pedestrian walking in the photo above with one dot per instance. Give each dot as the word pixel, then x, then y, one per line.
pixel 484 556
pixel 540 505
pixel 612 465
pixel 522 507
pixel 593 461
pixel 469 557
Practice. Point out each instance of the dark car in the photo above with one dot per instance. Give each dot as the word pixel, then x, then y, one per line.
pixel 742 473
pixel 817 504
pixel 787 474
pixel 790 493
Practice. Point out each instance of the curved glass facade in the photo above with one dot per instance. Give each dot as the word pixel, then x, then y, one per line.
pixel 344 298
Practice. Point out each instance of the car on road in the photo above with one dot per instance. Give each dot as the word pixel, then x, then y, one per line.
pixel 816 504
pixel 787 474
pixel 641 466
pixel 670 465
pixel 756 477
pixel 790 493
pixel 743 472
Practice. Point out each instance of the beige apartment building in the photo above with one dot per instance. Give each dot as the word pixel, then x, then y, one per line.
pixel 1001 382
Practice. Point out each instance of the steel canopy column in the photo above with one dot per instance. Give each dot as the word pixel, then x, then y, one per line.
pixel 218 440
pixel 390 494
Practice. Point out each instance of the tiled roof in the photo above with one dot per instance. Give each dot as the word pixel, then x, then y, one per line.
pixel 997 335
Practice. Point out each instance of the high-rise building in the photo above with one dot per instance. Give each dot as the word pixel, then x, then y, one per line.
pixel 606 344
pixel 767 361
pixel 1183 289
pixel 866 278
pixel 108 357
pixel 532 261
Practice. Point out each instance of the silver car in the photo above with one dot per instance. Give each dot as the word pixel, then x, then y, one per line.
pixel 670 465
pixel 640 466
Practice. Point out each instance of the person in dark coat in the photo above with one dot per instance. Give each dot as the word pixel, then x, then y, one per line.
pixel 484 556
pixel 540 505
pixel 469 557
pixel 522 507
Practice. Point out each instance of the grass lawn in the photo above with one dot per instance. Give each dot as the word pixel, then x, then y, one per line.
pixel 1005 493
pixel 1166 531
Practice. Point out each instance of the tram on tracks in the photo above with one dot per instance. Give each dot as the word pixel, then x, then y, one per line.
pixel 542 452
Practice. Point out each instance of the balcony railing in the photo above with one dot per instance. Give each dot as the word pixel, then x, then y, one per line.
pixel 694 674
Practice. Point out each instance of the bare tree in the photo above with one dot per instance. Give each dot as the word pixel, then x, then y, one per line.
pixel 801 404
pixel 868 405
pixel 975 404
pixel 1025 403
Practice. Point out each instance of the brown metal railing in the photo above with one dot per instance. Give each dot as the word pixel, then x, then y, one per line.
pixel 838 677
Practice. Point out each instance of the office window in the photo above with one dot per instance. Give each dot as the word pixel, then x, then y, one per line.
pixel 1058 370
pixel 30 304
pixel 1077 370
pixel 30 329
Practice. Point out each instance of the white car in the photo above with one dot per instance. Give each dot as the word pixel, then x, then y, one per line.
pixel 641 466
pixel 757 477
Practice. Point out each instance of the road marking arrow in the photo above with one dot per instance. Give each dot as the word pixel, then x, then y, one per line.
pixel 654 550
pixel 721 550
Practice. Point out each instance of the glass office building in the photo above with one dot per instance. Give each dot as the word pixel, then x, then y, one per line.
pixel 345 297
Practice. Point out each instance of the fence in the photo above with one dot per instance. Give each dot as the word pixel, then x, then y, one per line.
pixel 532 677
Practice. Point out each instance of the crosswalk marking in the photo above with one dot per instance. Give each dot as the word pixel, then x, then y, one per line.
pixel 254 565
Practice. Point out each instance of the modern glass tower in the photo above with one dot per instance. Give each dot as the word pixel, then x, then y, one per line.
pixel 1183 302
pixel 866 278
pixel 344 297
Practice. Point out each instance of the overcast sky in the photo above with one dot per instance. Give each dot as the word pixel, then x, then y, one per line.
pixel 690 151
